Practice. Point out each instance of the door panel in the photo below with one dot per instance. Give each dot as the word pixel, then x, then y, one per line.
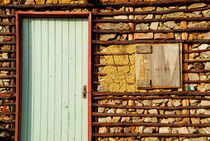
pixel 54 71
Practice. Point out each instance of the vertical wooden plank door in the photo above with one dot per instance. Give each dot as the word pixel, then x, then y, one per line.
pixel 54 71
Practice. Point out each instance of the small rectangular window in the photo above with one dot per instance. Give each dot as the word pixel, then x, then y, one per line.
pixel 158 66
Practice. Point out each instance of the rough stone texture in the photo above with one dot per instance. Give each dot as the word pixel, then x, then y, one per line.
pixel 164 36
pixel 143 36
pixel 197 5
pixel 122 79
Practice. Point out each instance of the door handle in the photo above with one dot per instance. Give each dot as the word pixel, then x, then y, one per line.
pixel 84 91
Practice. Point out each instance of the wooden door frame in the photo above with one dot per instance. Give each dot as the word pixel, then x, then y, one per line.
pixel 19 16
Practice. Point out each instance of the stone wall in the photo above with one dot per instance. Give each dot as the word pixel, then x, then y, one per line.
pixel 122 78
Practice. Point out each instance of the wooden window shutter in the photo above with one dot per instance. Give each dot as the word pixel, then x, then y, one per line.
pixel 158 66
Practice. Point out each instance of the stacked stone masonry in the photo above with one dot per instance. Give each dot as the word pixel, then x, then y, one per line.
pixel 122 78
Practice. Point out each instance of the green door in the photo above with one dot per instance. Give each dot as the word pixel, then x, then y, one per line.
pixel 54 71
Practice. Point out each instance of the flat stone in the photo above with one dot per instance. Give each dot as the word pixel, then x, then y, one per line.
pixel 164 35
pixel 203 46
pixel 112 139
pixel 170 24
pixel 140 129
pixel 183 130
pixel 194 14
pixel 174 15
pixel 206 120
pixel 143 36
pixel 197 24
pixel 195 120
pixel 149 8
pixel 101 109
pixel 182 7
pixel 137 119
pixel 206 35
pixel 193 76
pixel 169 112
pixel 201 88
pixel 151 120
pixel 164 130
pixel 103 130
pixel 174 130
pixel 109 119
pixel 138 9
pixel 206 13
pixel 120 26
pixel 158 101
pixel 121 111
pixel 121 17
pixel 103 101
pixel 111 111
pixel 5 55
pixel 142 26
pixel 148 129
pixel 107 37
pixel 154 25
pixel 153 111
pixel 147 102
pixel 159 9
pixel 116 119
pixel 125 119
pixel 172 120
pixel 164 121
pixel 207 87
pixel 43 2
pixel 199 139
pixel 196 5
pixel 124 102
pixel 177 103
pixel 29 2
pixel 193 102
pixel 150 16
pixel 139 111
pixel 205 103
pixel 140 17
pixel 192 130
pixel 207 66
pixel 158 16
pixel 203 77
pixel 170 103
pixel 178 36
pixel 118 129
pixel 201 111
pixel 101 119
pixel 193 55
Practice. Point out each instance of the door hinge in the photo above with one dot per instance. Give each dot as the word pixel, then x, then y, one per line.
pixel 84 91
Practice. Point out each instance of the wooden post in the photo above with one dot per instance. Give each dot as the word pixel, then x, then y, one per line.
pixel 95 49
pixel 131 37
pixel 185 102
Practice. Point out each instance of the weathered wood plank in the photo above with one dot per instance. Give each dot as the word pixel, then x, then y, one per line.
pixel 160 69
